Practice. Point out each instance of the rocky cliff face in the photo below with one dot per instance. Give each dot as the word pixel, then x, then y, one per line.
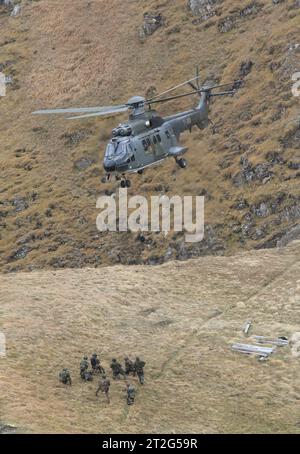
pixel 85 53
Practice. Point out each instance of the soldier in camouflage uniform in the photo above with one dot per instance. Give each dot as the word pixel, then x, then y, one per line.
pixel 65 377
pixel 104 386
pixel 94 360
pixel 96 366
pixel 87 375
pixel 117 369
pixel 130 394
pixel 84 365
pixel 139 368
pixel 129 366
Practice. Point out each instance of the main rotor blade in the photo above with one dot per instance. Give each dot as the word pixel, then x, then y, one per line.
pixel 77 110
pixel 197 91
pixel 193 86
pixel 173 88
pixel 174 97
pixel 108 112
pixel 223 85
pixel 224 93
pixel 202 90
pixel 198 76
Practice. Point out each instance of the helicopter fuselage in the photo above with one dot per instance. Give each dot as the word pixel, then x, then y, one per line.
pixel 148 139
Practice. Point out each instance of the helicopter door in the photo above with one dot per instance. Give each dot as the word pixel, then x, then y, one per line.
pixel 158 145
pixel 148 150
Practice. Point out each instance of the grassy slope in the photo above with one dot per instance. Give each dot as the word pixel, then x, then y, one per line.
pixel 87 53
pixel 181 318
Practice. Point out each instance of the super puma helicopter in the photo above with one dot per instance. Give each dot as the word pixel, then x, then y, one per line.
pixel 147 138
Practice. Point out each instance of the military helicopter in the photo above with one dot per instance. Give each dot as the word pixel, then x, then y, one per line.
pixel 147 138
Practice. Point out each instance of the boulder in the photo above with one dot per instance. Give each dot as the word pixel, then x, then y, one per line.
pixel 202 8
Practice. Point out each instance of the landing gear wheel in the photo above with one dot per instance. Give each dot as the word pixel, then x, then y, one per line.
pixel 182 163
pixel 105 179
pixel 125 183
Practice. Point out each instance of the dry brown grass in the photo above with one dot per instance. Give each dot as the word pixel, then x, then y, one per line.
pixel 68 53
pixel 181 318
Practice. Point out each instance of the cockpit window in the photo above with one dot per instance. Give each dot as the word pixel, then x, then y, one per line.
pixel 110 151
pixel 118 149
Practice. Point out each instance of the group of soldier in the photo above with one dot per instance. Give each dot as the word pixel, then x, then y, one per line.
pixel 87 373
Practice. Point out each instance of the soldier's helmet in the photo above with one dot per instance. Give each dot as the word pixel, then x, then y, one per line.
pixel 85 357
pixel 126 358
pixel 94 355
pixel 137 358
pixel 103 376
pixel 114 360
